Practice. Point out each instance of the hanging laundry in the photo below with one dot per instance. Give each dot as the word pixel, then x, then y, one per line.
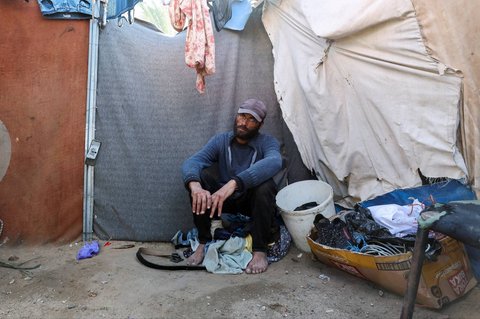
pixel 116 8
pixel 222 12
pixel 61 9
pixel 200 43
pixel 241 10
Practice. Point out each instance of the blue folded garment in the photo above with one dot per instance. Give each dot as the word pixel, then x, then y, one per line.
pixel 88 250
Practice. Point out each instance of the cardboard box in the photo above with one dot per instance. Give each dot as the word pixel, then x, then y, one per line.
pixel 441 282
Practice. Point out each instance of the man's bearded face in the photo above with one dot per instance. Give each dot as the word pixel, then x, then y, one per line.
pixel 245 126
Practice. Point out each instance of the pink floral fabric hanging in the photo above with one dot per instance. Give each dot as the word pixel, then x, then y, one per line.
pixel 200 43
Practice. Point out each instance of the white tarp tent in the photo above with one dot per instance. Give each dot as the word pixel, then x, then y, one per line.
pixel 367 103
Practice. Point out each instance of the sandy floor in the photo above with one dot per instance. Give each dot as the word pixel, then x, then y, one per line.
pixel 115 285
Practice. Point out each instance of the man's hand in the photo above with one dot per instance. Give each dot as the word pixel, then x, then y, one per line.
pixel 220 196
pixel 201 198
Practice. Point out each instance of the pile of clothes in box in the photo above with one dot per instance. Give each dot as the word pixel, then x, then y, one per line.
pixel 380 230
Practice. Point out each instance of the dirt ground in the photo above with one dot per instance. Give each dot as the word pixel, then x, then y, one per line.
pixel 114 284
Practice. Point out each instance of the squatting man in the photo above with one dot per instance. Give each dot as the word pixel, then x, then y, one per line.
pixel 234 173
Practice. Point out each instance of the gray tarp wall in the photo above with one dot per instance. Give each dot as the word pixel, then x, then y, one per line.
pixel 150 118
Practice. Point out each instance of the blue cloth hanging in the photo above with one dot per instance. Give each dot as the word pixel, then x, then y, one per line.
pixel 66 9
pixel 118 7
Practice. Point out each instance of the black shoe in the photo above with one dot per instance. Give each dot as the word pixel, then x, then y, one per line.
pixel 341 236
pixel 325 230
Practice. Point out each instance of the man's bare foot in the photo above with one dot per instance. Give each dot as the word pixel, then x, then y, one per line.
pixel 197 257
pixel 258 264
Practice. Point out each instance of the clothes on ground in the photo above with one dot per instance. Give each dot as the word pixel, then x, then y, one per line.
pixel 231 255
pixel 279 248
pixel 88 250
pixel 232 225
pixel 190 239
pixel 227 256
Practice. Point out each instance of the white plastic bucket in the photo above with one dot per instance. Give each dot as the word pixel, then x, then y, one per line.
pixel 299 223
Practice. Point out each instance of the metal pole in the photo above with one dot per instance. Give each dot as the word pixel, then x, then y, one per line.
pixel 415 273
pixel 90 126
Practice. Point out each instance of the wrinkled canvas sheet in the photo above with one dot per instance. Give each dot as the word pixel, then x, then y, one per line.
pixel 450 30
pixel 366 104
pixel 150 118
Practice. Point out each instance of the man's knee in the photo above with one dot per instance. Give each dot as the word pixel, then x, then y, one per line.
pixel 267 188
pixel 209 178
